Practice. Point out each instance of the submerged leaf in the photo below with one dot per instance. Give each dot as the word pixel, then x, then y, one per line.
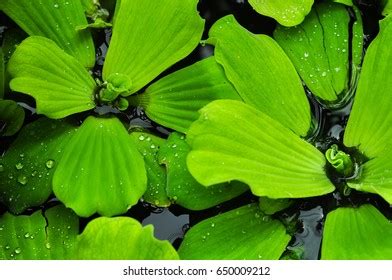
pixel 286 12
pixel 101 170
pixel 261 73
pixel 149 145
pixel 57 20
pixel 41 236
pixel 143 46
pixel 122 239
pixel 320 51
pixel 12 115
pixel 26 169
pixel 58 82
pixel 357 234
pixel 182 188
pixel 174 101
pixel 233 141
pixel 218 238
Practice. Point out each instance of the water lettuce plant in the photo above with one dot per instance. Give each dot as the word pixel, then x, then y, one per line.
pixel 238 121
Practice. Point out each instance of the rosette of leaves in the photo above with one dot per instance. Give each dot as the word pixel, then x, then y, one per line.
pixel 264 143
pixel 94 167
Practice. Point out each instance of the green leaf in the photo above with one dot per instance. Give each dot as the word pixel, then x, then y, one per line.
pixel 56 20
pixel 345 2
pixel 261 73
pixel 108 176
pixel 387 7
pixel 286 12
pixel 233 141
pixel 143 46
pixel 271 206
pixel 122 239
pixel 368 127
pixel 219 237
pixel 27 168
pixel 182 188
pixel 174 101
pixel 320 51
pixel 58 82
pixel 2 73
pixel 148 145
pixel 12 115
pixel 357 234
pixel 48 235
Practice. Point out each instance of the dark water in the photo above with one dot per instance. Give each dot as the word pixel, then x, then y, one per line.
pixel 305 218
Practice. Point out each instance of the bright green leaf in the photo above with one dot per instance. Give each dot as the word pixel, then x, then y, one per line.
pixel 26 169
pixel 182 188
pixel 262 74
pixel 101 170
pixel 345 2
pixel 12 115
pixel 320 51
pixel 368 127
pixel 58 82
pixel 48 235
pixel 242 233
pixel 122 239
pixel 149 145
pixel 2 73
pixel 143 46
pixel 357 234
pixel 387 7
pixel 234 141
pixel 174 101
pixel 56 20
pixel 286 12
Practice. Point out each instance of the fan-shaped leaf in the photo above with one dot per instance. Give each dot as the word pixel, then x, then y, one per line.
pixel 262 74
pixel 122 239
pixel 27 168
pixel 11 117
pixel 101 170
pixel 182 188
pixel 58 82
pixel 57 20
pixel 233 141
pixel 174 101
pixel 286 12
pixel 218 238
pixel 143 46
pixel 368 127
pixel 320 51
pixel 357 234
pixel 149 145
pixel 49 235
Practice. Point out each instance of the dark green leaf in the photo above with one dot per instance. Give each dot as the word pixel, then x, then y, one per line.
pixel 48 235
pixel 242 233
pixel 270 206
pixel 27 167
pixel 182 188
pixel 149 145
pixel 12 115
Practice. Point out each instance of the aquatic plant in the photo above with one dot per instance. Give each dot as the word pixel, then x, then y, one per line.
pixel 238 121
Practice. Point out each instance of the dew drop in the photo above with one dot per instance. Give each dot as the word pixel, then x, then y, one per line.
pixel 306 54
pixel 50 163
pixel 141 137
pixel 47 245
pixel 27 235
pixel 1 168
pixel 212 224
pixel 56 5
pixel 22 179
pixel 19 166
pixel 18 251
